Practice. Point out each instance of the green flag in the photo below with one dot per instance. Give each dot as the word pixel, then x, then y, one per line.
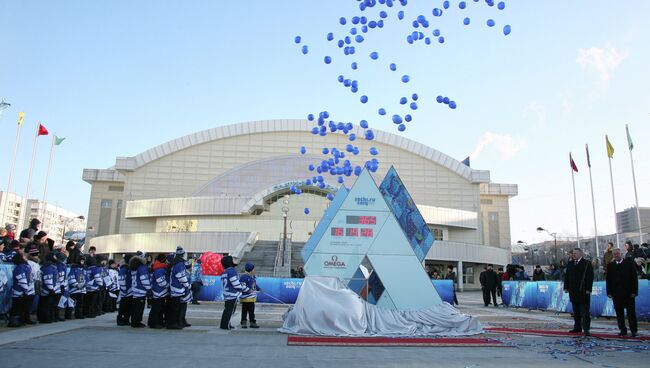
pixel 629 138
pixel 58 140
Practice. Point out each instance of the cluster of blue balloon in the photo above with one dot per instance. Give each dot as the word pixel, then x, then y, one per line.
pixel 352 38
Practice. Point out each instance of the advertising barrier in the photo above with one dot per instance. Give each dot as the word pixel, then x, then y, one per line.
pixel 549 295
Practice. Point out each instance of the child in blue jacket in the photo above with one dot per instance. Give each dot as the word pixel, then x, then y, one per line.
pixel 22 292
pixel 249 298
pixel 232 290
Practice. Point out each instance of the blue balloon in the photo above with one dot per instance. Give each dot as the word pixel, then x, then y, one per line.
pixel 357 170
pixel 311 167
pixel 354 89
pixel 501 5
pixel 415 24
pixel 490 23
pixel 414 97
pixel 393 67
pixel 330 36
pixel 305 50
pixel 310 117
pixel 340 78
pixel 445 4
pixel 364 29
pixel 409 39
pixel 401 127
pixel 364 99
pixel 405 78
pixel 326 151
pixel 374 55
pixel 354 66
pixel 445 100
pixel 355 20
pixel 330 196
pixel 372 24
pixel 441 39
pixel 403 101
pixel 427 41
pixel 314 130
pixel 321 185
pixel 421 19
pixel 383 14
pixel 347 40
pixel 506 29
pixel 374 151
pixel 352 137
pixel 439 99
pixel 397 119
pixel 466 21
pixel 408 117
pixel 462 5
pixel 340 180
pixel 308 181
pixel 437 12
pixel 382 111
pixel 353 30
pixel 436 32
pixel 306 211
pixel 358 38
pixel 297 39
pixel 303 150
pixel 342 21
pixel 327 59
pixel 363 20
pixel 340 43
pixel 319 178
pixel 452 104
pixel 413 106
pixel 380 23
pixel 400 14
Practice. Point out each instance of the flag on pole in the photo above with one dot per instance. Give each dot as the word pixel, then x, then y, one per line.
pixel 4 104
pixel 573 164
pixel 588 159
pixel 466 161
pixel 42 130
pixel 610 148
pixel 58 140
pixel 21 116
pixel 629 138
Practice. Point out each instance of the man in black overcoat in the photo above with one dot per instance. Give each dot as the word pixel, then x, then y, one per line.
pixel 623 287
pixel 578 281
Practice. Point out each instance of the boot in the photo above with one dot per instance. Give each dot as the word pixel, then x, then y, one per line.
pixel 68 313
pixel 254 325
pixel 14 321
pixel 244 324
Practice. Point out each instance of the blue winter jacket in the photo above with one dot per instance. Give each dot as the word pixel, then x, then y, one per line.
pixel 23 282
pixel 77 280
pixel 62 282
pixel 179 280
pixel 124 279
pixel 231 286
pixel 49 279
pixel 250 281
pixel 140 278
pixel 93 279
pixel 160 284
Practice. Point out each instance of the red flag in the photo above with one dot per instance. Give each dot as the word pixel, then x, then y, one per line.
pixel 42 130
pixel 573 164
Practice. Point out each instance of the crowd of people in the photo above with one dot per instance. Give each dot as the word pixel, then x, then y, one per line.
pixel 59 283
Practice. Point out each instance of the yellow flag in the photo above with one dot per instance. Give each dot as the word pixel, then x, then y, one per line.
pixel 21 116
pixel 610 148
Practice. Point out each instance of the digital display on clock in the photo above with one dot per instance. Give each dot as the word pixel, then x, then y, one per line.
pixel 361 220
pixel 365 232
pixel 337 231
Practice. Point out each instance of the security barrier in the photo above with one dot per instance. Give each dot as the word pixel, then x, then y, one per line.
pixel 549 295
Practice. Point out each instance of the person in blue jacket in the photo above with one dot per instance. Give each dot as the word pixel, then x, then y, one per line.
pixel 188 297
pixel 159 291
pixel 77 282
pixel 140 286
pixel 249 298
pixel 232 290
pixel 61 287
pixel 22 292
pixel 125 295
pixel 93 283
pixel 179 288
pixel 49 282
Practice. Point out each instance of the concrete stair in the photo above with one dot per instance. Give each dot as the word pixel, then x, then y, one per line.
pixel 262 256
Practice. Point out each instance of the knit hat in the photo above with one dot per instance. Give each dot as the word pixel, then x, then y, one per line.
pixel 10 227
pixel 33 251
pixel 180 251
pixel 249 267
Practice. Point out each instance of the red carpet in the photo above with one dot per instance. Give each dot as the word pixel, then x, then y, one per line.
pixel 392 341
pixel 560 333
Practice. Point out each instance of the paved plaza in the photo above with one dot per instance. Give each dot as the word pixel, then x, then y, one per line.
pixel 100 343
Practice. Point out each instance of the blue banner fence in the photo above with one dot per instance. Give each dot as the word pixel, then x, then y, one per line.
pixel 550 295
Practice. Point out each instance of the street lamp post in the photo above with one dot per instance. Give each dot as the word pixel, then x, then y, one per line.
pixel 285 211
pixel 65 223
pixel 554 235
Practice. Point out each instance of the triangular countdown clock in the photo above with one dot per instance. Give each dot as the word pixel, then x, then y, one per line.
pixel 375 240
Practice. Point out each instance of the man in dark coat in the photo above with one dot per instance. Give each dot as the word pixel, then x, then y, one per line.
pixel 622 288
pixel 489 281
pixel 27 235
pixel 578 281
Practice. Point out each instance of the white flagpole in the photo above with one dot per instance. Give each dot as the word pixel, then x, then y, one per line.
pixel 611 178
pixel 11 174
pixel 636 197
pixel 49 169
pixel 575 203
pixel 593 202
pixel 31 166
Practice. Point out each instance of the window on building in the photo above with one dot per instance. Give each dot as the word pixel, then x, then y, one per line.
pixel 468 274
pixel 437 234
pixel 107 203
pixel 493 228
pixel 115 188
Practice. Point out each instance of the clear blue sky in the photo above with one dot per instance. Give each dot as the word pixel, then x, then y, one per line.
pixel 118 77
